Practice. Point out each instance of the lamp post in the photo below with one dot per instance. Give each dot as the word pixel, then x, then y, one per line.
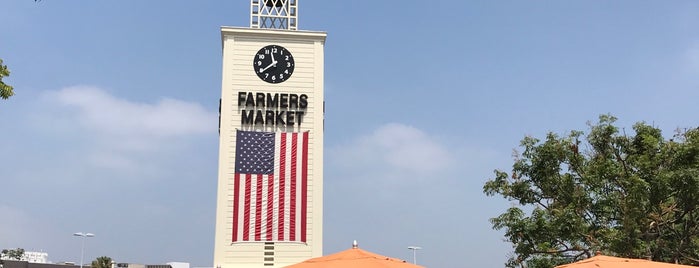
pixel 82 249
pixel 414 249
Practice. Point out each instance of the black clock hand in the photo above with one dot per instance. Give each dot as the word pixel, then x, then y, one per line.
pixel 274 63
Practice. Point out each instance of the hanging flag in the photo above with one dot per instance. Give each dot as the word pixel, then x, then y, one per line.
pixel 270 186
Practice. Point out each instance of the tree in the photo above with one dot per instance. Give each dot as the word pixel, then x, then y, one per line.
pixel 12 254
pixel 630 195
pixel 102 262
pixel 6 91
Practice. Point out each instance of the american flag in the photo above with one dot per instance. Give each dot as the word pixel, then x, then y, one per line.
pixel 270 187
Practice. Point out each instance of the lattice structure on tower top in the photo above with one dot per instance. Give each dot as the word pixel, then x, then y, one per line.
pixel 274 14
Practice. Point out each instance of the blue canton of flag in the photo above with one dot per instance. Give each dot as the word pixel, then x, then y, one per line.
pixel 254 152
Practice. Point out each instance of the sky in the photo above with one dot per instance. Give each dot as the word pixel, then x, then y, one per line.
pixel 113 128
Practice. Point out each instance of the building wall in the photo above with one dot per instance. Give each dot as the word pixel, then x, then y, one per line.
pixel 178 264
pixel 32 257
pixel 239 47
pixel 35 257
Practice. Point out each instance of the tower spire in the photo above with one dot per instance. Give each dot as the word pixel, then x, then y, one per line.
pixel 274 14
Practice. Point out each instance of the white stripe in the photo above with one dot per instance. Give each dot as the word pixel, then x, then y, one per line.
pixel 253 206
pixel 263 224
pixel 275 211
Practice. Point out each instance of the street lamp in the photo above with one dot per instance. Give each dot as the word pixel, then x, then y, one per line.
pixel 82 250
pixel 414 249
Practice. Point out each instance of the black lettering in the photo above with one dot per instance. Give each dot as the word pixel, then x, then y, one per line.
pixel 290 118
pixel 284 101
pixel 259 119
pixel 246 118
pixel 280 118
pixel 269 117
pixel 250 100
pixel 272 100
pixel 260 100
pixel 299 117
pixel 293 101
pixel 241 98
pixel 303 101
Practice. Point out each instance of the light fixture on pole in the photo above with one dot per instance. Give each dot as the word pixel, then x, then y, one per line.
pixel 82 249
pixel 414 249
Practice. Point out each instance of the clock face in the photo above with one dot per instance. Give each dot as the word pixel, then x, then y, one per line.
pixel 273 64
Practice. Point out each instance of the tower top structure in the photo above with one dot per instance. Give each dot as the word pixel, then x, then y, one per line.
pixel 274 14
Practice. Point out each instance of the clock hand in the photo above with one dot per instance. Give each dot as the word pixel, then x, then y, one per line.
pixel 274 63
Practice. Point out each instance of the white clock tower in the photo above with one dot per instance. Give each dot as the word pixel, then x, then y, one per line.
pixel 269 209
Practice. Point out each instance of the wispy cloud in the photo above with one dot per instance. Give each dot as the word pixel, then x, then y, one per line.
pixel 121 131
pixel 82 153
pixel 95 130
pixel 400 180
pixel 104 113
pixel 393 150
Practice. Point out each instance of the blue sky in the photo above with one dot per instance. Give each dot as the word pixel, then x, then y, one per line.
pixel 113 129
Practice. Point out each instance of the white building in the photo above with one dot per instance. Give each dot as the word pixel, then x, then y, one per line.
pixel 179 264
pixel 270 180
pixel 32 256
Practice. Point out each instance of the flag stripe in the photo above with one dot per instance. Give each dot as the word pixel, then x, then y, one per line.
pixel 236 198
pixel 258 207
pixel 270 205
pixel 282 184
pixel 246 220
pixel 278 200
pixel 292 222
pixel 304 186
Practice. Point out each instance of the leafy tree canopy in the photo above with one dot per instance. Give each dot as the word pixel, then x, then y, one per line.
pixel 6 91
pixel 102 262
pixel 629 195
pixel 12 254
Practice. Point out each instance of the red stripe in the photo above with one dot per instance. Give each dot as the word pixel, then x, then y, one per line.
pixel 270 205
pixel 304 186
pixel 292 221
pixel 282 185
pixel 236 201
pixel 258 208
pixel 246 214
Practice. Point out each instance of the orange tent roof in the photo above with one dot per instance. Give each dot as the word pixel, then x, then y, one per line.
pixel 353 258
pixel 601 261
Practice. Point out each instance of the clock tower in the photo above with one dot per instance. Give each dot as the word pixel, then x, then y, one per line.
pixel 269 208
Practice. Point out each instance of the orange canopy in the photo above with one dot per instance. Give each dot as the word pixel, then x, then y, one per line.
pixel 353 258
pixel 601 261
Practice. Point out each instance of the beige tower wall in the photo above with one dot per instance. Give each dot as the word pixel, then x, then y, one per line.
pixel 239 47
